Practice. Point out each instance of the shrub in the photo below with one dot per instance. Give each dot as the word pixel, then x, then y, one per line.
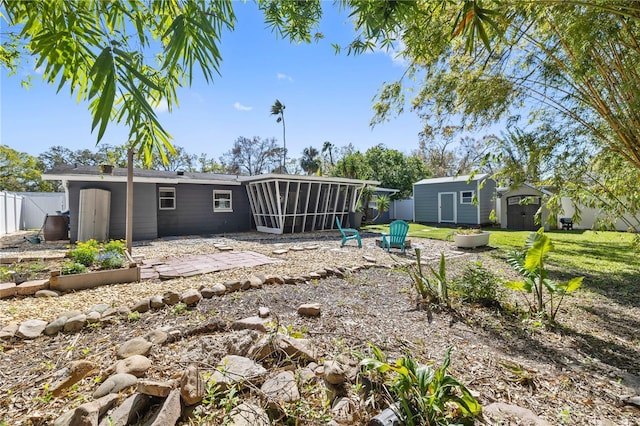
pixel 85 252
pixel 530 264
pixel 432 288
pixel 478 284
pixel 114 246
pixel 70 267
pixel 110 260
pixel 424 395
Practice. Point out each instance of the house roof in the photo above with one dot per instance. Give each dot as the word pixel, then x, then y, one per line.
pixel 449 179
pixel 307 178
pixel 92 173
pixel 542 189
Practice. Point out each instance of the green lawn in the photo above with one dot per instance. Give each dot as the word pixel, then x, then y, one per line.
pixel 608 260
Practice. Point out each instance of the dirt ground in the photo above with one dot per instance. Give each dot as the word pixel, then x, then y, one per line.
pixel 578 372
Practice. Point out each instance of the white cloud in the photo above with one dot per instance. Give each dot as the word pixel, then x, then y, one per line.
pixel 241 107
pixel 282 76
pixel 161 107
pixel 395 52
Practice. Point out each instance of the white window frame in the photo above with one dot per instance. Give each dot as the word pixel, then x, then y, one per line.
pixel 223 209
pixel 161 198
pixel 462 197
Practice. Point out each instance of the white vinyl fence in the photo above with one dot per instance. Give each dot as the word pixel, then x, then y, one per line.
pixel 10 210
pixel 402 209
pixel 28 210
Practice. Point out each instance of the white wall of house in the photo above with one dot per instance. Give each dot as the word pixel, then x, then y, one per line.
pixel 401 209
pixel 589 216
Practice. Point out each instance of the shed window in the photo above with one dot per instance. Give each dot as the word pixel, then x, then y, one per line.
pixel 167 198
pixel 222 201
pixel 466 197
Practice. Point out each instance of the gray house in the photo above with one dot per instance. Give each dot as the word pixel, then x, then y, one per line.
pixel 181 203
pixel 460 200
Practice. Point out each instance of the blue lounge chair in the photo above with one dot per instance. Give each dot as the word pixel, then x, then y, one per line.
pixel 348 234
pixel 398 230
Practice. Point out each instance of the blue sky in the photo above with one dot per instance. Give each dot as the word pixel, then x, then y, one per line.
pixel 328 97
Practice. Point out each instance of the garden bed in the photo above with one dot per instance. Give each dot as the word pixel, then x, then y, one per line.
pixel 93 279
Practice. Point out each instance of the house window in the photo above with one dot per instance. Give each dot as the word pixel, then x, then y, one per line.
pixel 466 197
pixel 167 198
pixel 222 201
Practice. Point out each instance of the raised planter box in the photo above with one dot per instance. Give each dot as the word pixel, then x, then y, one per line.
pixel 471 240
pixel 93 279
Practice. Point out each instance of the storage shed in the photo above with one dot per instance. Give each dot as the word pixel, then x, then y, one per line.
pixel 459 200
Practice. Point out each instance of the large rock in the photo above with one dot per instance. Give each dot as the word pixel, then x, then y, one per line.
pixel 154 388
pixel 157 337
pixel 46 293
pixel 247 414
pixel 252 323
pixel 129 412
pixel 171 298
pixel 192 388
pixel 87 414
pixel 29 288
pixel 136 346
pixel 169 412
pixel 9 330
pixel 142 306
pixel 334 372
pixel 309 310
pixel 281 387
pixel 524 415
pixel 55 326
pixel 115 384
pixel 298 348
pixel 71 375
pixel 136 365
pixel 239 370
pixel 191 297
pixel 8 290
pixel 31 329
pixel 345 411
pixel 75 323
pixel 240 342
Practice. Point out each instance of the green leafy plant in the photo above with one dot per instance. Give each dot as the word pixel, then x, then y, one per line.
pixel 85 252
pixel 115 246
pixel 70 267
pixel 179 308
pixel 478 284
pixel 433 288
pixel 133 316
pixel 110 260
pixel 423 395
pixel 530 264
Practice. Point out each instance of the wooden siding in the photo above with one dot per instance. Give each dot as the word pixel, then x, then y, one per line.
pixel 487 201
pixel 193 213
pixel 144 212
pixel 425 199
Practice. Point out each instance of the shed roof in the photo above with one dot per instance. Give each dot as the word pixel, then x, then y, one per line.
pixel 449 179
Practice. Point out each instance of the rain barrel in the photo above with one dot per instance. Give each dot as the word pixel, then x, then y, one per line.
pixel 56 227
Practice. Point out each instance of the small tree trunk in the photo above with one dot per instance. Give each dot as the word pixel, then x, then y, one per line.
pixel 129 219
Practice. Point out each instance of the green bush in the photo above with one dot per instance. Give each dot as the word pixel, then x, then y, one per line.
pixel 478 284
pixel 85 252
pixel 70 267
pixel 110 260
pixel 115 246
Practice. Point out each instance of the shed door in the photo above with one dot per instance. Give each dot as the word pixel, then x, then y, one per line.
pixel 522 216
pixel 447 207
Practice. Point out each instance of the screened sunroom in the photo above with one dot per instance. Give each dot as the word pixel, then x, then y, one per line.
pixel 292 203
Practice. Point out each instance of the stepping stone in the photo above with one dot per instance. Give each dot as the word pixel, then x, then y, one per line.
pixel 32 287
pixel 225 248
pixel 7 290
pixel 280 251
pixel 312 247
pixel 297 248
